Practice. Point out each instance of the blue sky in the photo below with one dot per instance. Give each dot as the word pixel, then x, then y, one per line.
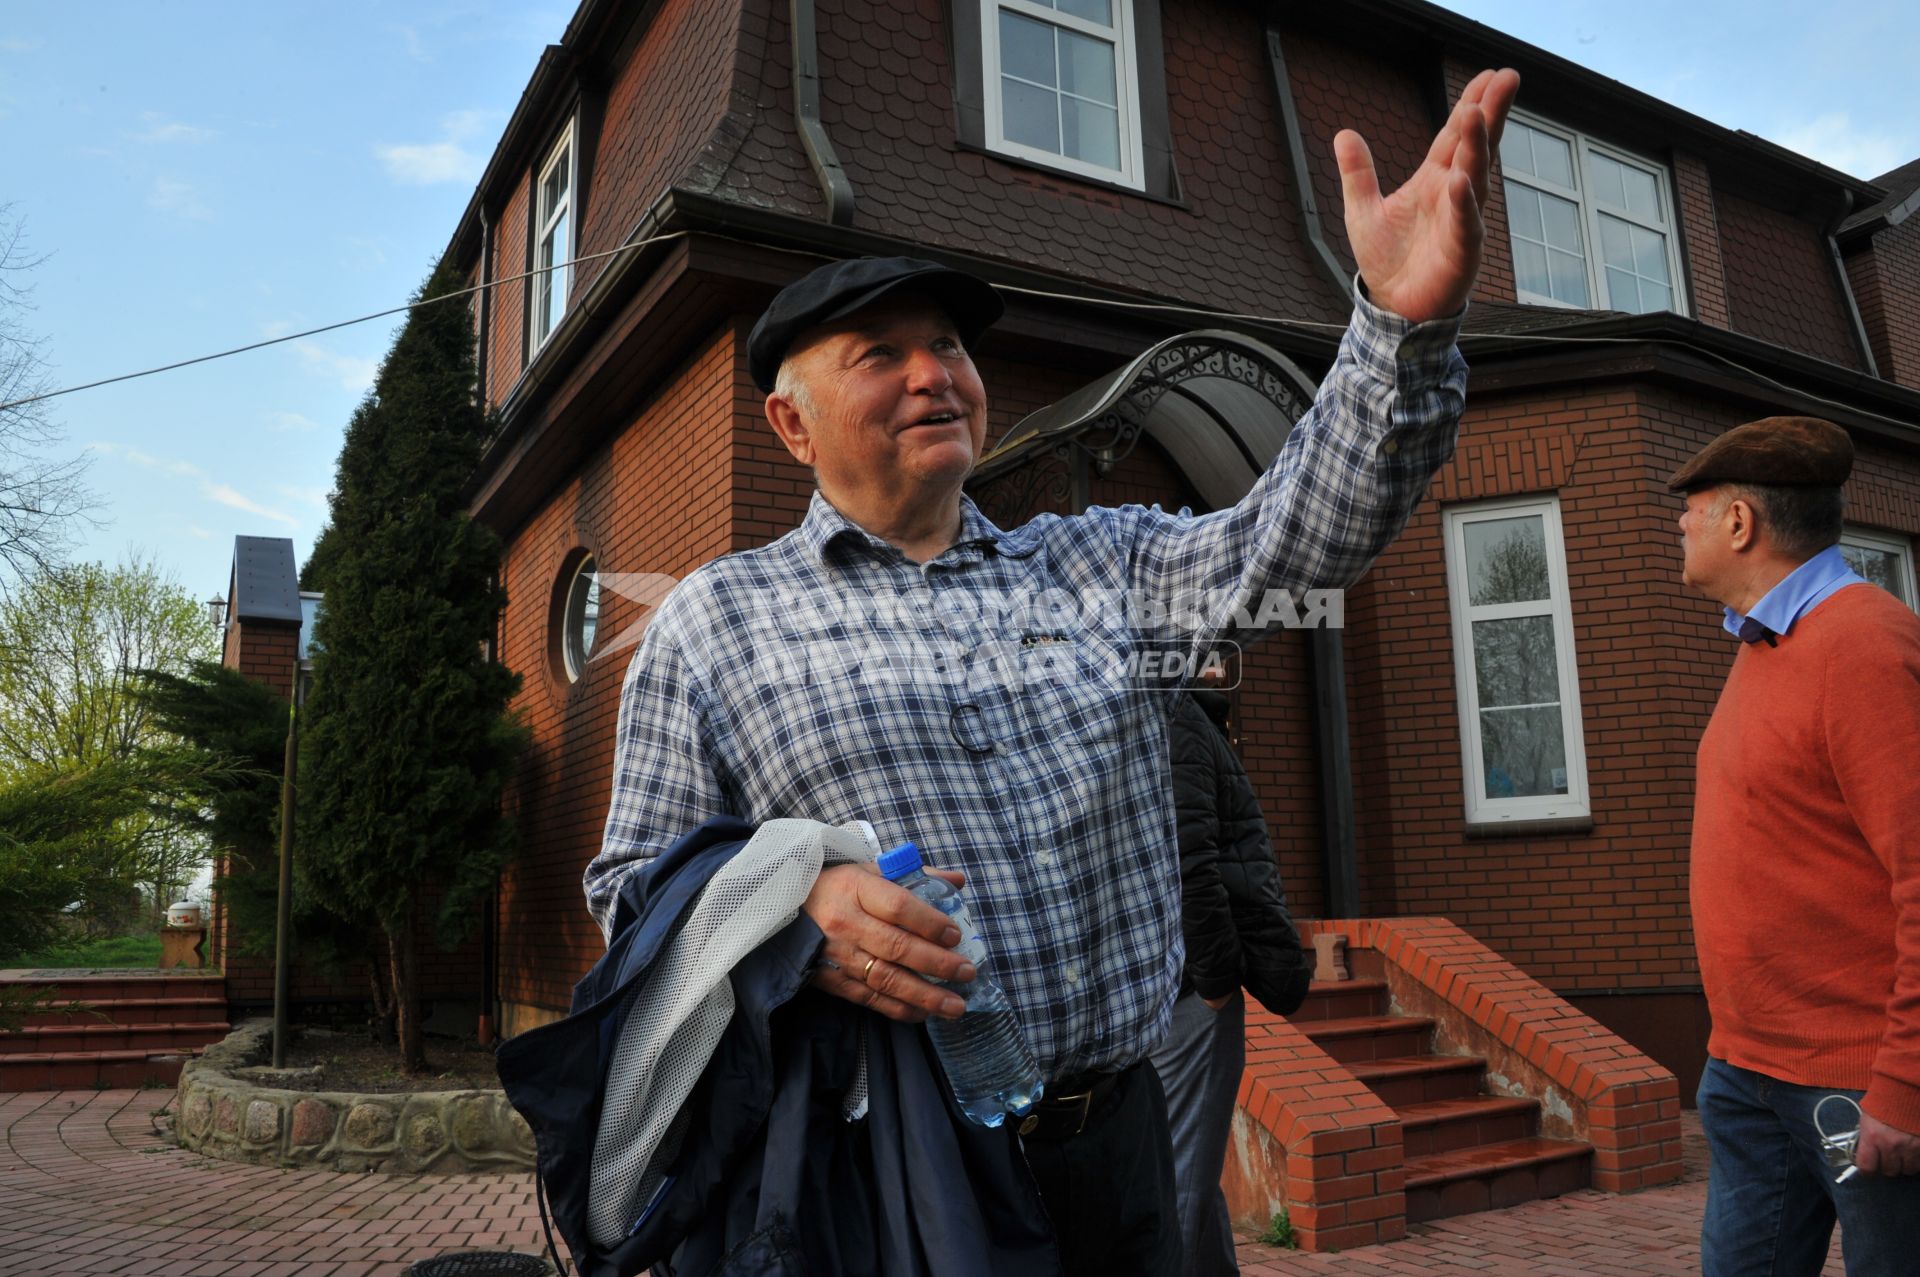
pixel 202 176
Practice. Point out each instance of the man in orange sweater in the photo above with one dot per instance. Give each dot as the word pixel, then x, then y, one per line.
pixel 1806 866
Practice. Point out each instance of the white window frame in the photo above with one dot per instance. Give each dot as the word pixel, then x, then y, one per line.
pixel 1574 805
pixel 1893 543
pixel 543 222
pixel 1584 149
pixel 1121 35
pixel 576 652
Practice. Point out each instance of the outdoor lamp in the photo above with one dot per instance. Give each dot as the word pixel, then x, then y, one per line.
pixel 217 612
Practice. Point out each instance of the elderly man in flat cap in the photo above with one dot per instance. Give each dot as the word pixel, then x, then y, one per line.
pixel 1806 867
pixel 1051 796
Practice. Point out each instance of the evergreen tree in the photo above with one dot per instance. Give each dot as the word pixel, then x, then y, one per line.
pixel 232 719
pixel 407 742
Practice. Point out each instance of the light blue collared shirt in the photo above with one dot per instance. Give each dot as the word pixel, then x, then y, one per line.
pixel 1799 592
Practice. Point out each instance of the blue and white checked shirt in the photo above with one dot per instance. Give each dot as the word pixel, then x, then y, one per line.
pixel 989 704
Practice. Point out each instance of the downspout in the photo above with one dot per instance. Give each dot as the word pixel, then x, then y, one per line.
pixel 1846 284
pixel 1337 274
pixel 806 113
pixel 1328 653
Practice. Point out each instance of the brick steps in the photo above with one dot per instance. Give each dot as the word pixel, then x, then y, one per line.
pixel 1494 1176
pixel 201 1010
pixel 1464 1150
pixel 105 1030
pixel 60 1039
pixel 1349 1039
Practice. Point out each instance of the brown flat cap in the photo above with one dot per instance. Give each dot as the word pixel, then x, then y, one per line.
pixel 1802 452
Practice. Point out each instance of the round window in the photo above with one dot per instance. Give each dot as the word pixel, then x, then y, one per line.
pixel 582 618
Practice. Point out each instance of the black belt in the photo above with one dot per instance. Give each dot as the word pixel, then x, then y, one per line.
pixel 1069 1103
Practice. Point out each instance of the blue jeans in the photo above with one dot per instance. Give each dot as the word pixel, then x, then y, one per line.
pixel 1199 1066
pixel 1771 1199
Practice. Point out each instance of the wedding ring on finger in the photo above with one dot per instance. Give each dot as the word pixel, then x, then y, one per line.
pixel 867 970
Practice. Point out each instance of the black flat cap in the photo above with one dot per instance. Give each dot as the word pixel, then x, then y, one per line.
pixel 838 289
pixel 1798 452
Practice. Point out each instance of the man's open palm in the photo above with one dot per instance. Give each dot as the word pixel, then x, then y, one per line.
pixel 1418 249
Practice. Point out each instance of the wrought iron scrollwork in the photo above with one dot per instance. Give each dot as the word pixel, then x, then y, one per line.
pixel 1026 481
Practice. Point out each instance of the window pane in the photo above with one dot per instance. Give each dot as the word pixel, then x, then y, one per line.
pixel 1552 158
pixel 1523 213
pixel 1530 268
pixel 1516 153
pixel 554 249
pixel 1616 242
pixel 1654 297
pixel 1609 189
pixel 1513 663
pixel 1569 276
pixel 1030 116
pixel 1561 219
pixel 555 186
pixel 1090 132
pixel 1649 254
pixel 1506 561
pixel 1643 193
pixel 1524 752
pixel 1026 49
pixel 1100 11
pixel 1086 68
pixel 590 613
pixel 1882 567
pixel 1623 291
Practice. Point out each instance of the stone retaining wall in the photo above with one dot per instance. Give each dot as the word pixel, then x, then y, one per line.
pixel 227 1106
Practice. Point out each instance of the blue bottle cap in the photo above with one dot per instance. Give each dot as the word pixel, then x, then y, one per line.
pixel 900 861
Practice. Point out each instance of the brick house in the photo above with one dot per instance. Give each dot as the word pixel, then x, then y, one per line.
pixel 1518 763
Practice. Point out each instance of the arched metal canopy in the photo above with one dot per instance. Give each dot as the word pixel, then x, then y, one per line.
pixel 1219 403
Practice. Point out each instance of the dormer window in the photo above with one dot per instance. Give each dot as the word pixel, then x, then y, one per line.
pixel 554 238
pixel 1062 87
pixel 1592 226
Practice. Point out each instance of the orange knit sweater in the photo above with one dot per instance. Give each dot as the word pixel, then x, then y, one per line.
pixel 1806 855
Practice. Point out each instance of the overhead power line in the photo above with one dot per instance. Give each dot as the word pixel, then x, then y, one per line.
pixel 1111 303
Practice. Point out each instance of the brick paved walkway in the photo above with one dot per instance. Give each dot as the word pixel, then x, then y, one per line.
pixel 89 1185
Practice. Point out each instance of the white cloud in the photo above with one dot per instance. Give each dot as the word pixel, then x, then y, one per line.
pixel 353 373
pixel 285 421
pixel 198 533
pixel 171 195
pixel 447 160
pixel 1834 140
pixel 226 496
pixel 13 44
pixel 161 129
pixel 219 493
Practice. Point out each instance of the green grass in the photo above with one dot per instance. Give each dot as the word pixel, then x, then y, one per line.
pixel 1280 1233
pixel 112 951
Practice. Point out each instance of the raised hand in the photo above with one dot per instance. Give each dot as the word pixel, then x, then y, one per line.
pixel 1418 249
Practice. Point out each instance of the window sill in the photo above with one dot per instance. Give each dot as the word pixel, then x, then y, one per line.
pixel 1523 828
pixel 1071 175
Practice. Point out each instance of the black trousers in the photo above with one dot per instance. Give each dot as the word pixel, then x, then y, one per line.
pixel 1110 1189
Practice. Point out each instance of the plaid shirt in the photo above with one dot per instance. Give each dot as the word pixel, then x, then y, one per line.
pixel 991 705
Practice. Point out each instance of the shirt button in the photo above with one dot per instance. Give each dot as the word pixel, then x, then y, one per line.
pixel 1073 975
pixel 1390 447
pixel 1045 858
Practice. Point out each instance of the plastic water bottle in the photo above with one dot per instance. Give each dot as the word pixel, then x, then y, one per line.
pixel 984 1053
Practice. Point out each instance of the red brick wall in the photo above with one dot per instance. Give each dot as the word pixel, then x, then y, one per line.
pixel 265 651
pixel 1619 891
pixel 654 499
pixel 1780 281
pixel 1700 232
pixel 509 314
pixel 660 110
pixel 1886 283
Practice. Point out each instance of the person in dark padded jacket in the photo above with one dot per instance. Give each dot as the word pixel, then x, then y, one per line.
pixel 1238 936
